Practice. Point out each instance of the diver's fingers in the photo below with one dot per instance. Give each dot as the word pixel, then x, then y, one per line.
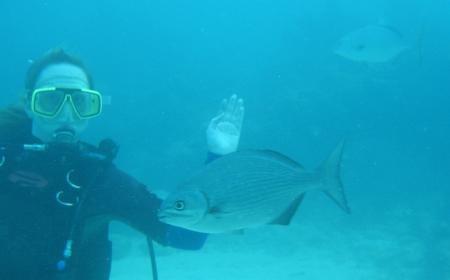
pixel 231 104
pixel 223 107
pixel 239 113
pixel 238 106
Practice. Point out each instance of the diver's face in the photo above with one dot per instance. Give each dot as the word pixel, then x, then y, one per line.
pixel 66 126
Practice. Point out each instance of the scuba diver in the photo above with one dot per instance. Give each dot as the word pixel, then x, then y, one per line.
pixel 58 193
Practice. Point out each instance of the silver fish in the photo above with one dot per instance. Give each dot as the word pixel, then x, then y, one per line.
pixel 371 44
pixel 248 189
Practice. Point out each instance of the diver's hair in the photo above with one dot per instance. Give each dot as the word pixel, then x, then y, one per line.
pixel 53 56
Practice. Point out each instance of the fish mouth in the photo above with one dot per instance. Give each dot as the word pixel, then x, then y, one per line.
pixel 165 218
pixel 168 214
pixel 161 216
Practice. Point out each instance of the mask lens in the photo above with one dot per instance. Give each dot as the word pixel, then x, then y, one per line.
pixel 48 102
pixel 88 103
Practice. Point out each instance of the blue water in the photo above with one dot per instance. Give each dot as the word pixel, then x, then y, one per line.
pixel 168 64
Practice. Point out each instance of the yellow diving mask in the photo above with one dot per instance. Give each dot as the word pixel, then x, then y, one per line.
pixel 49 101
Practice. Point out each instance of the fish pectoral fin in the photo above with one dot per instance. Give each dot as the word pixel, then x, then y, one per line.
pixel 217 212
pixel 286 217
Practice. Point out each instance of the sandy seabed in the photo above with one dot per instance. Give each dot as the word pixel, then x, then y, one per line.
pixel 331 247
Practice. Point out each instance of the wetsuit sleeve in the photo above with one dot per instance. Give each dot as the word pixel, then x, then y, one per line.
pixel 131 202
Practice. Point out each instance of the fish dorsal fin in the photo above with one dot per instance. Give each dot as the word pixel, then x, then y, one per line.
pixel 278 156
pixel 286 217
pixel 391 28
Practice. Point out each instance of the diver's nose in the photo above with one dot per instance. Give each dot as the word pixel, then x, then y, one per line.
pixel 67 114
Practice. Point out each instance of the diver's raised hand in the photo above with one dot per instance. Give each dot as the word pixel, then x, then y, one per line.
pixel 224 130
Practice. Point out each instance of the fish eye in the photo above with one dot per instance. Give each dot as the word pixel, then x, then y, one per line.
pixel 360 47
pixel 179 205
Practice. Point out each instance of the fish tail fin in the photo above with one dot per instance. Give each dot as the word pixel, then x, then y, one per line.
pixel 330 172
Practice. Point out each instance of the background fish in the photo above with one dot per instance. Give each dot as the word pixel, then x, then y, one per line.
pixel 247 189
pixel 371 44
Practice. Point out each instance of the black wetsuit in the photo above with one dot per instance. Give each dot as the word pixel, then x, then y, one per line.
pixel 35 225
